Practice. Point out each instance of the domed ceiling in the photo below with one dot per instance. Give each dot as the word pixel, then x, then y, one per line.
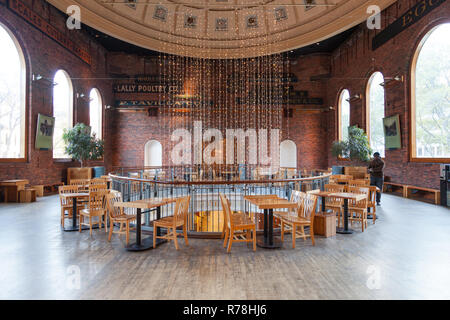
pixel 222 28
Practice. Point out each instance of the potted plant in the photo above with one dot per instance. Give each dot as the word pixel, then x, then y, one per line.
pixel 82 146
pixel 357 146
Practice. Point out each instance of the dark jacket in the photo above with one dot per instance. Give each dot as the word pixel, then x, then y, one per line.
pixel 377 166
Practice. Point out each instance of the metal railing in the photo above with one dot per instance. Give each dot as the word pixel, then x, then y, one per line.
pixel 205 212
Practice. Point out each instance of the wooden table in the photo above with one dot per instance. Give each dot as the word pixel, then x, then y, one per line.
pixel 75 197
pixel 12 188
pixel 268 203
pixel 149 204
pixel 346 197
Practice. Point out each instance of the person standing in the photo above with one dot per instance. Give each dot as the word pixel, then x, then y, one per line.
pixel 376 169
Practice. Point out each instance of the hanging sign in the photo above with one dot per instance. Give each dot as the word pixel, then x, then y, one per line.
pixel 155 79
pixel 145 88
pixel 413 15
pixel 42 25
pixel 161 103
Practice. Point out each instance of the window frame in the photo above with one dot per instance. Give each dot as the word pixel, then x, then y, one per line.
pixel 69 77
pixel 423 37
pixel 26 94
pixel 368 107
pixel 339 112
pixel 101 111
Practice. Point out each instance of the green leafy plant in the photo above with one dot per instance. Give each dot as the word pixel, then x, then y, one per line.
pixel 357 146
pixel 81 145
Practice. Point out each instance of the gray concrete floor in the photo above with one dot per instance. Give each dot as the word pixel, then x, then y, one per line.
pixel 405 255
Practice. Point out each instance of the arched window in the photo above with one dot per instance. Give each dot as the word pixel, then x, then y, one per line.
pixel 344 114
pixel 12 98
pixel 288 154
pixel 430 112
pixel 62 111
pixel 375 106
pixel 95 113
pixel 153 154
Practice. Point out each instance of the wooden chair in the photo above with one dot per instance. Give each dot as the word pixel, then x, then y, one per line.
pixel 98 187
pixel 335 204
pixel 371 202
pixel 358 183
pixel 179 219
pixel 117 215
pixel 239 227
pixel 97 181
pixel 96 209
pixel 305 218
pixel 251 216
pixel 296 196
pixel 358 209
pixel 66 204
pixel 83 184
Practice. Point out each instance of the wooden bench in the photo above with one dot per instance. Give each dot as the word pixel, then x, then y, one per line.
pixel 39 190
pixel 50 189
pixel 394 187
pixel 28 195
pixel 435 194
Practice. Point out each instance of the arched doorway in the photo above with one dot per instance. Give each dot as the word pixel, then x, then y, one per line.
pixel 153 154
pixel 288 154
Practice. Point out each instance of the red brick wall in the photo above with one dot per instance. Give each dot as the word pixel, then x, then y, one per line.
pixel 125 134
pixel 44 56
pixel 352 64
pixel 130 131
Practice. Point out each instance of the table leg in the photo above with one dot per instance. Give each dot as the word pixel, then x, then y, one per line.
pixel 74 226
pixel 147 243
pixel 74 213
pixel 346 229
pixel 138 227
pixel 271 227
pixel 268 241
pixel 265 224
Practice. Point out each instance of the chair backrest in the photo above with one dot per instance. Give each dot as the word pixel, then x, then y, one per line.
pixel 98 187
pixel 97 181
pixel 226 210
pixel 178 210
pixel 97 200
pixel 361 203
pixel 358 182
pixel 81 183
pixel 300 199
pixel 67 189
pixel 111 199
pixel 181 209
pixel 309 206
pixel 372 193
pixel 334 188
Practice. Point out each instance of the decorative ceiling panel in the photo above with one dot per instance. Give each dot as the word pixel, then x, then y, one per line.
pixel 222 28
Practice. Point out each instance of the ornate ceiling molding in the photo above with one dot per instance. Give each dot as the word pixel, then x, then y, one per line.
pixel 222 28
